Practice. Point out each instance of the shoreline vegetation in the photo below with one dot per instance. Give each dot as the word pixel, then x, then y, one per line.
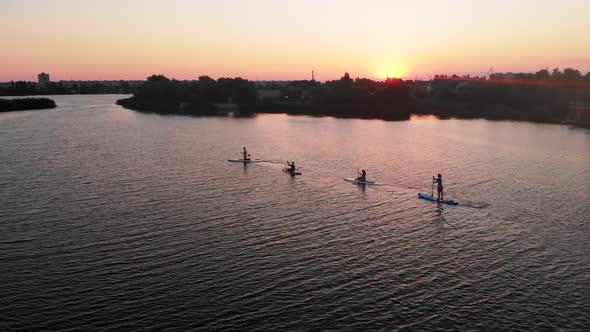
pixel 24 88
pixel 389 100
pixel 25 104
pixel 540 97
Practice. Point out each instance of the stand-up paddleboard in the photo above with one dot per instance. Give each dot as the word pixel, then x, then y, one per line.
pixel 370 183
pixel 247 161
pixel 286 170
pixel 430 198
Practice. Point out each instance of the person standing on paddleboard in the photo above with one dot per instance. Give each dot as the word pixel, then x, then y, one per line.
pixel 362 176
pixel 246 155
pixel 439 186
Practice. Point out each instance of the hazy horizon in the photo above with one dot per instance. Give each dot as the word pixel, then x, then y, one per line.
pixel 270 40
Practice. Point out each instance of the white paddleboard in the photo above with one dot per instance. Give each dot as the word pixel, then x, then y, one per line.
pixel 245 161
pixel 370 183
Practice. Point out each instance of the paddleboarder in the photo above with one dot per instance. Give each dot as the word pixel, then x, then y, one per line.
pixel 362 176
pixel 246 155
pixel 291 166
pixel 439 186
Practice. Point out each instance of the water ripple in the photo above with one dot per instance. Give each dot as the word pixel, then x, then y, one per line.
pixel 114 220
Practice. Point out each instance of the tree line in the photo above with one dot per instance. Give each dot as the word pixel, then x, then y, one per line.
pixel 346 97
pixel 168 96
pixel 568 75
pixel 542 96
pixel 23 88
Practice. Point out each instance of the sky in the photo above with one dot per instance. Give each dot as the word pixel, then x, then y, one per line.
pixel 286 40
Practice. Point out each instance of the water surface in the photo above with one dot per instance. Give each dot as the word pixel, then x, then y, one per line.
pixel 117 220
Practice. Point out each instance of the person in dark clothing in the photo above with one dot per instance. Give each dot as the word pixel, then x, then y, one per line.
pixel 439 186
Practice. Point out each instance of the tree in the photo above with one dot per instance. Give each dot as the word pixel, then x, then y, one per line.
pixel 158 78
pixel 556 74
pixel 570 74
pixel 542 74
pixel 208 88
pixel 124 87
pixel 206 80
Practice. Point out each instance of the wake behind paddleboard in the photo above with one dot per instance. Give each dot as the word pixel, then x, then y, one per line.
pixel 249 161
pixel 430 198
pixel 370 183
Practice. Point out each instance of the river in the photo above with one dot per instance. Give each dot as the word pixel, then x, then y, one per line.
pixel 112 219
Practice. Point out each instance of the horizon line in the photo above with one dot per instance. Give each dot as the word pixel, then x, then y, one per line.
pixel 408 77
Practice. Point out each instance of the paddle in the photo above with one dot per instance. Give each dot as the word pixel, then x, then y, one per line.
pixel 432 193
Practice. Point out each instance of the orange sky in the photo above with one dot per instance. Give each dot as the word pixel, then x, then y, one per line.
pixel 273 40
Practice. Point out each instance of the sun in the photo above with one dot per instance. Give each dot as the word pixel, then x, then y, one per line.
pixel 389 71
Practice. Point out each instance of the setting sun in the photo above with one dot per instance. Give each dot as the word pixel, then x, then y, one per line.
pixel 389 70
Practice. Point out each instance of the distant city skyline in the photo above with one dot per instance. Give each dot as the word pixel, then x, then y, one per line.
pixel 286 40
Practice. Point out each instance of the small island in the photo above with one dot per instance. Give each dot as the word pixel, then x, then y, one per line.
pixel 540 97
pixel 24 104
pixel 346 98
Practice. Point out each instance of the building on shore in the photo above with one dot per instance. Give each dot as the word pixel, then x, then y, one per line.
pixel 503 76
pixel 43 80
pixel 269 94
pixel 293 93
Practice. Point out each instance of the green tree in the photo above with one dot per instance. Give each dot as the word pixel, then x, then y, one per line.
pixel 206 80
pixel 158 78
pixel 542 74
pixel 208 89
pixel 570 74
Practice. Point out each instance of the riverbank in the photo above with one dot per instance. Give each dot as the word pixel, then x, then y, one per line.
pixel 25 104
pixel 368 110
pixel 393 99
pixel 350 111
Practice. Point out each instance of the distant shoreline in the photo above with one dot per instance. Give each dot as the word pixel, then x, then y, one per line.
pixel 532 98
pixel 26 104
pixel 352 111
pixel 442 111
